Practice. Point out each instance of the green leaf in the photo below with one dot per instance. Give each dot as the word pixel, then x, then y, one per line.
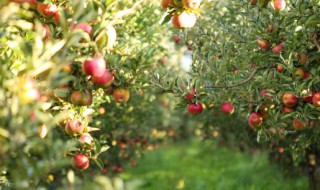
pixel 99 163
pixel 62 93
pixel 166 19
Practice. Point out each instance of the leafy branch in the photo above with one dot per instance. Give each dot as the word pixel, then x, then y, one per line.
pixel 243 82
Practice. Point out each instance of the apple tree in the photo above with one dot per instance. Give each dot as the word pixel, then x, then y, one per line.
pixel 259 59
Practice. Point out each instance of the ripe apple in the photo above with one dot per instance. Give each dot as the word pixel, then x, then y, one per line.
pixel 192 4
pixel 95 66
pixel 265 93
pixel 74 128
pixel 286 109
pixel 299 72
pixel 121 95
pixel 306 75
pixel 303 59
pixel 279 5
pixel 263 44
pixel 176 39
pixel 189 96
pixel 105 80
pixel 83 26
pixel 299 125
pixel 86 138
pixel 279 68
pixel 227 108
pixel 76 97
pixel 307 95
pixel 87 98
pixel 277 49
pixel 28 91
pixel 80 161
pixel 289 100
pixel 166 3
pixel 255 120
pixel 316 99
pixel 47 10
pixel 195 108
pixel 184 20
pixel 56 18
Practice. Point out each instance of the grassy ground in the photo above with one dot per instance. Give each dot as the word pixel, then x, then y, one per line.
pixel 203 166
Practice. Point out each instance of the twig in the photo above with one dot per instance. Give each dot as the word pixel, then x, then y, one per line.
pixel 162 87
pixel 243 82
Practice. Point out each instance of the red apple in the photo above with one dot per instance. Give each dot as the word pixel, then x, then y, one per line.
pixel 303 59
pixel 263 44
pixel 316 99
pixel 307 95
pixel 286 110
pixel 87 98
pixel 277 49
pixel 195 108
pixel 192 4
pixel 189 96
pixel 279 68
pixel 74 128
pixel 289 100
pixel 105 80
pixel 299 125
pixel 47 10
pixel 86 138
pixel 80 161
pixel 227 108
pixel 56 18
pixel 184 20
pixel 83 26
pixel 95 66
pixel 166 3
pixel 265 93
pixel 306 75
pixel 176 39
pixel 255 120
pixel 121 95
pixel 76 97
pixel 279 5
pixel 163 60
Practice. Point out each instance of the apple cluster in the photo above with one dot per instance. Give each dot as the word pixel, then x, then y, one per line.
pixel 183 13
pixel 92 73
pixel 194 106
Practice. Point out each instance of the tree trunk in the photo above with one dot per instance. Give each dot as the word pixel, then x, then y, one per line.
pixel 314 178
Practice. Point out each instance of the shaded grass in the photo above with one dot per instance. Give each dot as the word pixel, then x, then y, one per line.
pixel 205 166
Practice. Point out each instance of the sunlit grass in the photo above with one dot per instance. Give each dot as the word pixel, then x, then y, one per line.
pixel 204 166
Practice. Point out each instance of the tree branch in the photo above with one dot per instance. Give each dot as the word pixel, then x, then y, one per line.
pixel 243 82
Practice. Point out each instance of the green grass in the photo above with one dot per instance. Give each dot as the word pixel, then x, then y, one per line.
pixel 204 166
